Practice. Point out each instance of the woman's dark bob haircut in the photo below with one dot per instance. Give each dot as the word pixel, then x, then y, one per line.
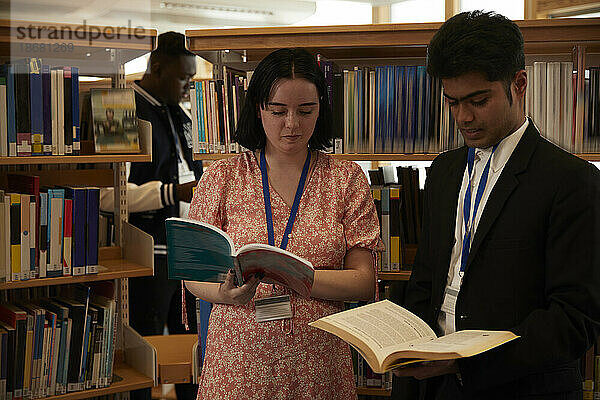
pixel 282 64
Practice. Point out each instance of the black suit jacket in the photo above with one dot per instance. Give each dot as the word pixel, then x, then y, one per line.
pixel 533 268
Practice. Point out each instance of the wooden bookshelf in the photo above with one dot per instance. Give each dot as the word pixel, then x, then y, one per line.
pixel 96 50
pixel 350 42
pixel 394 276
pixel 88 159
pixel 593 157
pixel 373 392
pixel 130 380
pixel 57 44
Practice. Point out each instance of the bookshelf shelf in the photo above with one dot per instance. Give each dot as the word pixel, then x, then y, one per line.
pixel 385 40
pixel 108 269
pixel 88 159
pixel 373 392
pixel 131 380
pixel 394 276
pixel 376 157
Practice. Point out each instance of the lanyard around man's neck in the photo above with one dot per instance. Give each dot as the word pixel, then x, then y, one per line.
pixel 267 198
pixel 469 222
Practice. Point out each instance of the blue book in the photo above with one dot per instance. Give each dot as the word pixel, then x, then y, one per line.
pixel 47 110
pixel 420 109
pixel 75 110
pixel 92 218
pixel 79 224
pixel 62 314
pixel 379 110
pixel 8 72
pixel 36 110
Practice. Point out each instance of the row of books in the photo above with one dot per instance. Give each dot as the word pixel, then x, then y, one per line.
pixel 48 232
pixel 52 346
pixel 215 108
pixel 398 200
pixel 364 376
pixel 551 101
pixel 39 109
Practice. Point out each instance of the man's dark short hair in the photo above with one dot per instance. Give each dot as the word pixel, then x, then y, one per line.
pixel 171 45
pixel 477 41
pixel 282 64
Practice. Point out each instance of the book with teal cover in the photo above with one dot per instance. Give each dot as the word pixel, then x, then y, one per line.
pixel 199 251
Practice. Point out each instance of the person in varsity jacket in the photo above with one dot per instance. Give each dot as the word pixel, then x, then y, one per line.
pixel 162 188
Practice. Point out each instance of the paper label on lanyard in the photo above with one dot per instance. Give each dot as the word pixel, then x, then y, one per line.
pixel 273 308
pixel 449 304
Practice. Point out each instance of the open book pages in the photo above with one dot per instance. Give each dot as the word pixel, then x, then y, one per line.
pixel 202 252
pixel 387 335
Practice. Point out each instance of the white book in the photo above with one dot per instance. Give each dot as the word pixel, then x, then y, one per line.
pixel 566 95
pixel 60 112
pixel 54 364
pixel 3 123
pixel 553 131
pixel 529 91
pixel 55 222
pixel 539 96
pixel 54 110
pixel 45 359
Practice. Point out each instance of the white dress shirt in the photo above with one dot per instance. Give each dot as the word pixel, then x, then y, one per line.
pixel 446 319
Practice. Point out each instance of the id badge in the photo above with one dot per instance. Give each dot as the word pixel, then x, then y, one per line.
pixel 273 308
pixel 449 304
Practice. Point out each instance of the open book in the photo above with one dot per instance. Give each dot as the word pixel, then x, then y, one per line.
pixel 388 336
pixel 198 251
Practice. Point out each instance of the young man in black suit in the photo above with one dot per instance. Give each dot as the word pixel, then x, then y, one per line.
pixel 511 230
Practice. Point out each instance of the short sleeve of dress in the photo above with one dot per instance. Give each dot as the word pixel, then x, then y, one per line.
pixel 209 196
pixel 361 225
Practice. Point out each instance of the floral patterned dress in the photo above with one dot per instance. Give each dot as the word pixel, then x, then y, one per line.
pixel 285 359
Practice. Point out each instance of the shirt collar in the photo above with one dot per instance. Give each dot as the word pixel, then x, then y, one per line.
pixel 139 90
pixel 504 150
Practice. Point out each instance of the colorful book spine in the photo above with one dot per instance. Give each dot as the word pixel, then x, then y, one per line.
pixel 91 243
pixel 33 273
pixel 67 238
pixel 47 109
pixel 68 110
pixel 43 237
pixel 75 110
pixel 15 235
pixel 78 195
pixel 3 120
pixel 8 72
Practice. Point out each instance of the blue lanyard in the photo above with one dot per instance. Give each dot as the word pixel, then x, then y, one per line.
pixel 466 245
pixel 267 197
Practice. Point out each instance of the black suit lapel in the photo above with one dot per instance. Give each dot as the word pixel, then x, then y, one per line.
pixel 450 189
pixel 506 184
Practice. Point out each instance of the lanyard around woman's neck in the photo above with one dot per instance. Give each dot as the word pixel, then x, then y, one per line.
pixel 267 198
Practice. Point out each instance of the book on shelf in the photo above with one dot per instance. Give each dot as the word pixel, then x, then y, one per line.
pixel 114 123
pixel 388 336
pixel 47 232
pixel 201 252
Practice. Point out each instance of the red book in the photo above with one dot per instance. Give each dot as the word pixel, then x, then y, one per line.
pixel 67 237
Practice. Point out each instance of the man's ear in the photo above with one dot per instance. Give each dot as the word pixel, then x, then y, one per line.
pixel 520 83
